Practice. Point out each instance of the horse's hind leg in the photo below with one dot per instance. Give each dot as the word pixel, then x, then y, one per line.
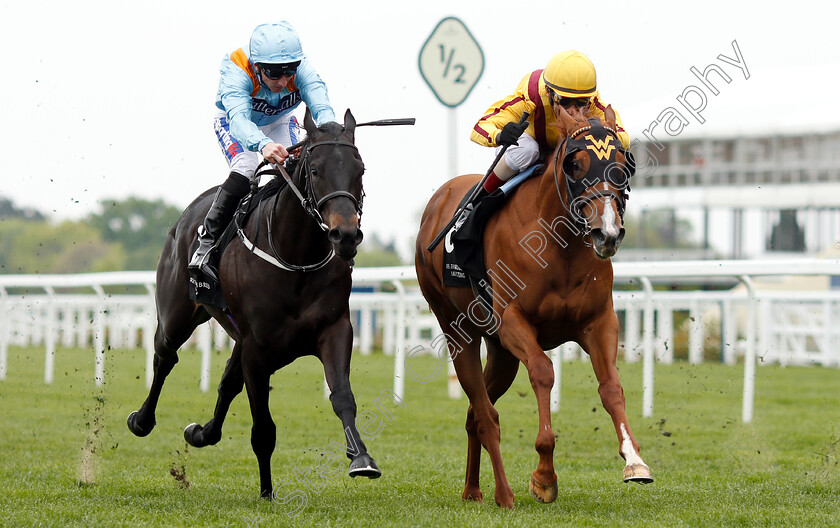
pixel 482 423
pixel 263 431
pixel 518 336
pixel 335 347
pixel 230 385
pixel 171 333
pixel 499 374
pixel 601 343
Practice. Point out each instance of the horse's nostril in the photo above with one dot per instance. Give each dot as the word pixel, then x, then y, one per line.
pixel 339 236
pixel 334 235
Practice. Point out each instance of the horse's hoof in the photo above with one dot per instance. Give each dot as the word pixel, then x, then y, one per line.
pixel 504 500
pixel 191 433
pixel 364 466
pixel 543 492
pixel 473 495
pixel 135 428
pixel 637 473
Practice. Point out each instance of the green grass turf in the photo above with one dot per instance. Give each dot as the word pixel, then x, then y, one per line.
pixel 710 469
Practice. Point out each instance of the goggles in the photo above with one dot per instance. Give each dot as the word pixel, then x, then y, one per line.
pixel 567 102
pixel 276 71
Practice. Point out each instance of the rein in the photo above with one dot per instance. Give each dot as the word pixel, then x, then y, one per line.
pixel 310 203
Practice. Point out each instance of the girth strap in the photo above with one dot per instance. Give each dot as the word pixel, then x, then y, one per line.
pixel 250 246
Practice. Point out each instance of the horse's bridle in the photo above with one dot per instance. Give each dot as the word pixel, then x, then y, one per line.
pixel 602 145
pixel 310 203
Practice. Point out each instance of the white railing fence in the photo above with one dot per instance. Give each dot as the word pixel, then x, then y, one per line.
pixel 790 328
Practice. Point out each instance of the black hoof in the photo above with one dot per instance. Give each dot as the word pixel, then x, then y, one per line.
pixel 193 436
pixel 364 466
pixel 136 428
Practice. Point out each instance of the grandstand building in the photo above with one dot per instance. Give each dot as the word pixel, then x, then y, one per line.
pixel 746 197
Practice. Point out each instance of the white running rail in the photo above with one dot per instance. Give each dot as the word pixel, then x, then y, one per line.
pixel 779 327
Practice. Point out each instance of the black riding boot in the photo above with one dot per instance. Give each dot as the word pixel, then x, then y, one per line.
pixel 218 217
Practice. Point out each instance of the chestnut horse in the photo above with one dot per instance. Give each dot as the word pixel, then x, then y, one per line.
pixel 547 253
pixel 284 305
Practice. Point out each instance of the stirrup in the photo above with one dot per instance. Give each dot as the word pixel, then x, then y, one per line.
pixel 201 257
pixel 205 267
pixel 463 217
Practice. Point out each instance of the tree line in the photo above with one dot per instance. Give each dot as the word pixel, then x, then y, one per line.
pixel 124 234
pixel 128 234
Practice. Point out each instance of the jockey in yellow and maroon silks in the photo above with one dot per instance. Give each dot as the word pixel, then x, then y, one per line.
pixel 568 80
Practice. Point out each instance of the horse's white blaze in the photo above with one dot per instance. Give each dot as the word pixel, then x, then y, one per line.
pixel 630 454
pixel 608 219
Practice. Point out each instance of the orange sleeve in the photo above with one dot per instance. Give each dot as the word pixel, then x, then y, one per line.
pixel 239 58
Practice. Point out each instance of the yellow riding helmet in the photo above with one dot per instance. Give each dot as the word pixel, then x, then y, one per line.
pixel 570 74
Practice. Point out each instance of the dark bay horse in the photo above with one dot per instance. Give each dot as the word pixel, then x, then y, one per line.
pixel 277 314
pixel 547 256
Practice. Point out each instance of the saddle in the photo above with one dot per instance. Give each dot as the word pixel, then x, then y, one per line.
pixel 463 250
pixel 203 290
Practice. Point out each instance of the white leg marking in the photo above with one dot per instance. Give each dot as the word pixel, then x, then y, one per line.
pixel 630 454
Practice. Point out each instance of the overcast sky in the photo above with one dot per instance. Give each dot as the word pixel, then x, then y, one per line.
pixel 111 99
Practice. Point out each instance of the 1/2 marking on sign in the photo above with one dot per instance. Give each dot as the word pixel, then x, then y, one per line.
pixel 451 61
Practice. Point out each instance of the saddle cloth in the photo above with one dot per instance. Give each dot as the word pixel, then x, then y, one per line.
pixel 463 250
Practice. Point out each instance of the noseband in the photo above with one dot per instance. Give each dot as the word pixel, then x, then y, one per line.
pixel 602 145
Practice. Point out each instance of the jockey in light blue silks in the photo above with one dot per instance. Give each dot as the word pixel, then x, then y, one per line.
pixel 258 90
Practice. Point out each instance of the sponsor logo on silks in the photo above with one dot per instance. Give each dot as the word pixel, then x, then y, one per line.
pixel 230 146
pixel 294 127
pixel 286 102
pixel 601 148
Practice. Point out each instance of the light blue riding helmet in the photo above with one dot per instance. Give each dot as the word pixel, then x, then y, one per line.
pixel 275 44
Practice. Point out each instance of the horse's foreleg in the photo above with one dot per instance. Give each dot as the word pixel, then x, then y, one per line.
pixel 518 336
pixel 335 347
pixel 229 387
pixel 142 421
pixel 601 343
pixel 263 430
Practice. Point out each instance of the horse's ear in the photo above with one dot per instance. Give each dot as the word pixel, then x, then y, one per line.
pixel 609 116
pixel 349 122
pixel 567 123
pixel 309 124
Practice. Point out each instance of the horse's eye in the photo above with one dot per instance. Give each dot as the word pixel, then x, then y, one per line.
pixel 313 171
pixel 575 165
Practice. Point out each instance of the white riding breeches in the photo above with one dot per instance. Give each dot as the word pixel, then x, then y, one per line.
pixel 283 131
pixel 521 156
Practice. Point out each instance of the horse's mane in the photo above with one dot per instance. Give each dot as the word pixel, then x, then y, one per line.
pixel 578 124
